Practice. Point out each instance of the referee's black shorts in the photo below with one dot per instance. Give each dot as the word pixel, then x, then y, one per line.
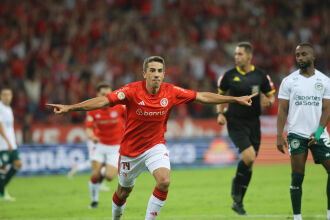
pixel 244 132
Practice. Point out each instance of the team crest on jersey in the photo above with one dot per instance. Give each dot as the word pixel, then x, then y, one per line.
pixel 295 143
pixel 113 114
pixel 318 86
pixel 121 95
pixel 164 102
pixel 98 116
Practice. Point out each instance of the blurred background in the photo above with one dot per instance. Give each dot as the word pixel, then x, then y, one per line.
pixel 56 51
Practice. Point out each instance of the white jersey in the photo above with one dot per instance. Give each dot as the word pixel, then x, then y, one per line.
pixel 7 121
pixel 305 96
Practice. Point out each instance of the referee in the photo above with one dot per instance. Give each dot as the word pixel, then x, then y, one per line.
pixel 243 122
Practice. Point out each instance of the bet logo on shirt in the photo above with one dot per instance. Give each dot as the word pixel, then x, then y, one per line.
pixel 164 102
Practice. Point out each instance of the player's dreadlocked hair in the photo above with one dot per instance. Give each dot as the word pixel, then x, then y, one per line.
pixel 152 59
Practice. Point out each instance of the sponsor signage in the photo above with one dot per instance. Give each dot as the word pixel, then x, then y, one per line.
pixel 51 159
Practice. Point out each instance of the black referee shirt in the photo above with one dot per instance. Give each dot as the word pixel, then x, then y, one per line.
pixel 240 83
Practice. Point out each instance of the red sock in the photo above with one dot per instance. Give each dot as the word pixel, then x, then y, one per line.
pixel 94 180
pixel 161 195
pixel 118 201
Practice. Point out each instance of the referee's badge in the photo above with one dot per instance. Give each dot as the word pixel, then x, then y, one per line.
pixel 255 89
pixel 295 143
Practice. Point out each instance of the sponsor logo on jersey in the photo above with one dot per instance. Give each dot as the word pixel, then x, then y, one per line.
pixel 164 102
pixel 236 79
pixel 318 86
pixel 295 143
pixel 113 114
pixel 141 103
pixel 140 112
pixel 307 100
pixel 121 96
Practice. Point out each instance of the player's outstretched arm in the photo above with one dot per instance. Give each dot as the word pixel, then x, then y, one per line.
pixel 212 98
pixel 282 115
pixel 88 105
pixel 324 120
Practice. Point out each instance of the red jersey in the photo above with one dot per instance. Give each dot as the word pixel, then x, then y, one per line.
pixel 108 124
pixel 147 114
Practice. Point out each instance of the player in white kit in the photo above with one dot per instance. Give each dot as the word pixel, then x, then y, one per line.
pixel 304 100
pixel 8 147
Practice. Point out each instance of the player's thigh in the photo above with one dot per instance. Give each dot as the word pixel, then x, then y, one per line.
pixel 96 167
pixel 129 168
pixel 110 172
pixel 298 162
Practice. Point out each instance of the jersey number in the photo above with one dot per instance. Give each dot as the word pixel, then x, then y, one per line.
pixel 326 142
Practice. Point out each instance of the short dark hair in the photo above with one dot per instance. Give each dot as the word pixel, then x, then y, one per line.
pixel 6 88
pixel 102 85
pixel 247 46
pixel 152 59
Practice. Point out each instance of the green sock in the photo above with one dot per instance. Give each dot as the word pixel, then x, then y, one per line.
pixel 296 192
pixel 2 182
pixel 12 171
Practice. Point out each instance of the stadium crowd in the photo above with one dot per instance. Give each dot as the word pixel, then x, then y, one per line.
pixel 56 51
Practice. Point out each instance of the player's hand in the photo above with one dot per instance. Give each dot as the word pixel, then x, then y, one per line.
pixel 246 100
pixel 95 139
pixel 280 143
pixel 312 140
pixel 10 148
pixel 265 101
pixel 221 119
pixel 59 109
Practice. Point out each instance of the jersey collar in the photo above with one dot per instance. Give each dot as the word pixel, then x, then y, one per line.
pixel 242 72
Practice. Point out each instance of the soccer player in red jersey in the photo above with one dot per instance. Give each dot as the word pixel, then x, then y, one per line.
pixel 105 129
pixel 148 105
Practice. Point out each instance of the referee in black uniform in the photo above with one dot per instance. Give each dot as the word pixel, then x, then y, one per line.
pixel 243 122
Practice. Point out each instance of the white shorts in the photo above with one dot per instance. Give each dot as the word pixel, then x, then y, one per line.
pixel 131 167
pixel 108 154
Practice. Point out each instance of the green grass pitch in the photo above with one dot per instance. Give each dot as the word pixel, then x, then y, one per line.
pixel 193 194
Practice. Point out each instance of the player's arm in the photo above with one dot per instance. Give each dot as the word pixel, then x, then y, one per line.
pixel 3 134
pixel 212 98
pixel 88 105
pixel 324 120
pixel 90 135
pixel 283 109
